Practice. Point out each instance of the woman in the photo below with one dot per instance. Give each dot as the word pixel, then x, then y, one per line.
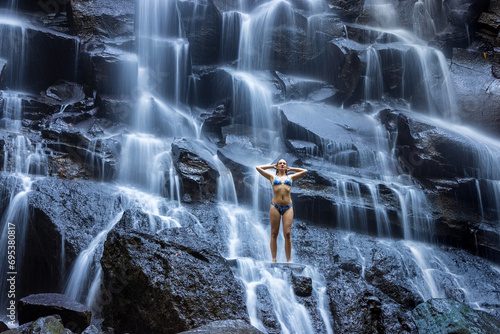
pixel 281 205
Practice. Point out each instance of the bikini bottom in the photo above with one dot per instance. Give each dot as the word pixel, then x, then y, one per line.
pixel 282 208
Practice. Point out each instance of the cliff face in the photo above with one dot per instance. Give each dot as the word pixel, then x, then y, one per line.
pixel 139 134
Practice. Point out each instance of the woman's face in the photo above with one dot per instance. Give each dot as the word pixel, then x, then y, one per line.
pixel 282 164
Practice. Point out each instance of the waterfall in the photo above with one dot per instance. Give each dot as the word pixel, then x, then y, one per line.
pixel 256 37
pixel 82 266
pixel 355 156
pixel 14 227
pixel 374 85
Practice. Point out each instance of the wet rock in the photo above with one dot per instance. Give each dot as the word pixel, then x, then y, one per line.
pixel 102 18
pixel 116 110
pixel 198 174
pixel 341 138
pixel 42 61
pixel 265 310
pixel 50 324
pixel 242 174
pixel 113 71
pixel 385 274
pixel 74 315
pixel 225 326
pixel 295 88
pixel 203 24
pixel 349 10
pixel 302 286
pixel 358 307
pixel 68 212
pixel 215 86
pixel 478 91
pixel 216 120
pixel 170 282
pixel 65 92
pixel 450 316
pixel 489 21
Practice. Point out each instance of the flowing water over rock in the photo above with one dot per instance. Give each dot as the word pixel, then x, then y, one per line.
pixel 173 115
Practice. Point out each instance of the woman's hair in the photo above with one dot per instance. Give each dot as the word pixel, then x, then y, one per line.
pixel 286 172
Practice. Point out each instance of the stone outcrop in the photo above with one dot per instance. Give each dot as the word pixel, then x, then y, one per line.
pixel 166 283
pixel 198 175
pixel 49 324
pixel 451 316
pixel 74 315
pixel 474 77
pixel 225 326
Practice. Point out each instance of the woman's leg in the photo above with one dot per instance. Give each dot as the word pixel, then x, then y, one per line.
pixel 287 233
pixel 275 218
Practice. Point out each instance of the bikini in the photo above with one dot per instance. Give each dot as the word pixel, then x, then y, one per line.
pixel 282 208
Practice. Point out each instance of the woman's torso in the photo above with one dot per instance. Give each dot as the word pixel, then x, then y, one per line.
pixel 282 188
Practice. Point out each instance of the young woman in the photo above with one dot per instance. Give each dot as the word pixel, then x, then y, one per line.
pixel 281 204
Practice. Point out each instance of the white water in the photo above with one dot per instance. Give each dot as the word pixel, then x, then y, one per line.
pixel 162 85
pixel 80 272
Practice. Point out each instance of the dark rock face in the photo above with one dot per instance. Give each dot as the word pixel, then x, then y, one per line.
pixel 111 70
pixel 450 166
pixel 451 316
pixel 203 24
pixel 74 316
pixel 481 112
pixel 42 63
pixel 199 177
pixel 52 243
pixel 225 326
pixel 170 283
pixel 102 18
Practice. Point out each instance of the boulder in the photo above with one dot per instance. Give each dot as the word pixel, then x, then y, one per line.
pixel 450 316
pixel 66 216
pixel 225 326
pixel 168 283
pixel 74 315
pixel 50 324
pixel 194 163
pixel 302 285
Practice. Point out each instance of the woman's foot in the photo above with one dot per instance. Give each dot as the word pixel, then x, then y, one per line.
pixel 274 260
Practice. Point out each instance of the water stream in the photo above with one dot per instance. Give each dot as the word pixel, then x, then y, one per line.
pixel 162 115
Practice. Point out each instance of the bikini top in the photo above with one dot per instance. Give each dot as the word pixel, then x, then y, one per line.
pixel 277 181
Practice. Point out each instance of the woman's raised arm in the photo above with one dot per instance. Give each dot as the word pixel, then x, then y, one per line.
pixel 299 172
pixel 263 172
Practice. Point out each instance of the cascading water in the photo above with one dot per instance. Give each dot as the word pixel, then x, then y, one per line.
pixel 363 174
